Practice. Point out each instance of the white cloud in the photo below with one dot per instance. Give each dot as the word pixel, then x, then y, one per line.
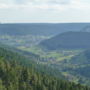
pixel 43 1
pixel 37 4
pixel 45 4
pixel 46 10
pixel 79 4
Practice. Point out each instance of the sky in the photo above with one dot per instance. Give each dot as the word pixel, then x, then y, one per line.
pixel 44 11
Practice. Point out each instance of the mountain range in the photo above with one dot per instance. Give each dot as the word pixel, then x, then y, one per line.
pixel 45 56
pixel 40 29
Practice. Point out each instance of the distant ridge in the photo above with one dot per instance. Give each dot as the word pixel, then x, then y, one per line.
pixel 86 29
pixel 68 40
pixel 40 28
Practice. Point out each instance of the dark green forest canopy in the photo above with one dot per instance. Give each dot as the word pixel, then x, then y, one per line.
pixel 16 76
pixel 27 59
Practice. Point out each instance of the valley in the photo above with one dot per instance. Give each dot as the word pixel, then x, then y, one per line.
pixel 22 40
pixel 64 55
pixel 16 75
pixel 44 44
pixel 56 59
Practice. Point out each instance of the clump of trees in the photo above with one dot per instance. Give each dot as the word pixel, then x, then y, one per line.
pixel 17 77
pixel 16 74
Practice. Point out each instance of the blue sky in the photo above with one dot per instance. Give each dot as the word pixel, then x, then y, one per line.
pixel 51 11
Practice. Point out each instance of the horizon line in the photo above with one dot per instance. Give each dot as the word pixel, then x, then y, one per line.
pixel 43 22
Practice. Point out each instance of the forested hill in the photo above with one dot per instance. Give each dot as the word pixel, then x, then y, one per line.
pixel 40 29
pixel 28 60
pixel 80 65
pixel 82 59
pixel 68 40
pixel 15 76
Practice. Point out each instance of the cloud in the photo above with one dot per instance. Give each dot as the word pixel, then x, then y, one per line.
pixel 43 4
pixel 38 4
pixel 43 1
pixel 44 10
pixel 80 4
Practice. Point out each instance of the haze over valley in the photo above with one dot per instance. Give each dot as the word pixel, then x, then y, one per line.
pixel 60 47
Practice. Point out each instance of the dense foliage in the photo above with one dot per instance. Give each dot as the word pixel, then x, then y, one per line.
pixel 27 59
pixel 14 76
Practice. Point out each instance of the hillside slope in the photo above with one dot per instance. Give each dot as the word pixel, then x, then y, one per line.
pixel 78 67
pixel 68 40
pixel 82 62
pixel 14 76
